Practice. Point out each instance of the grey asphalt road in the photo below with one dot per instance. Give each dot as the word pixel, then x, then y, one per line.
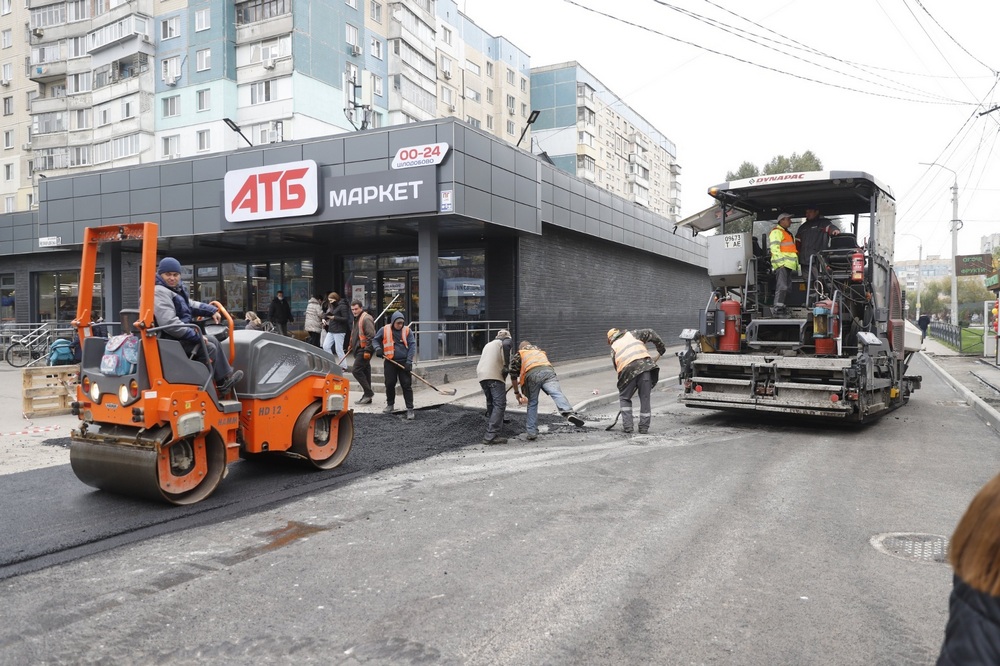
pixel 715 539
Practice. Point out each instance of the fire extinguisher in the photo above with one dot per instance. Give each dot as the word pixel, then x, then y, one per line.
pixel 857 267
pixel 730 339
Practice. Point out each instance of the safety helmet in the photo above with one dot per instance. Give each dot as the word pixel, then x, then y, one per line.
pixel 612 332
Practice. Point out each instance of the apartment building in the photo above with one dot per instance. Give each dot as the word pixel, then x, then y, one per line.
pixel 109 83
pixel 588 131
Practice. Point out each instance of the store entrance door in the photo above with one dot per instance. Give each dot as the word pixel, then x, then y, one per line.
pixel 403 283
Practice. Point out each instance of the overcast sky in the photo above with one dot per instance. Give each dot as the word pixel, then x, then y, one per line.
pixel 867 85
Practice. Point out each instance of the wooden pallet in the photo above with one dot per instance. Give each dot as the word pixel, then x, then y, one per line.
pixel 48 391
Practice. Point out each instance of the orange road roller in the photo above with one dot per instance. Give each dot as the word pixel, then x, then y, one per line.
pixel 155 425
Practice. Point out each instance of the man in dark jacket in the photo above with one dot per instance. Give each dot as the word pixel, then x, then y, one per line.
pixel 173 307
pixel 635 372
pixel 337 320
pixel 924 321
pixel 361 346
pixel 396 344
pixel 280 313
pixel 813 236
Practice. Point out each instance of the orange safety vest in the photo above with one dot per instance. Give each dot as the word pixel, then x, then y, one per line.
pixel 388 346
pixel 627 349
pixel 362 338
pixel 784 254
pixel 530 359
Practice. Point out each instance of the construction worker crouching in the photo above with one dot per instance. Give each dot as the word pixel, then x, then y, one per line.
pixel 635 372
pixel 536 374
pixel 397 345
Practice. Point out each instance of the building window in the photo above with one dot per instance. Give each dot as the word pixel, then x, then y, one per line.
pixel 170 28
pixel 128 108
pixel 510 127
pixel 376 50
pixel 510 104
pixel 262 91
pixel 489 122
pixel 6 39
pixel 353 4
pixel 510 76
pixel 171 106
pixel 446 35
pixel 377 85
pixel 473 95
pixel 204 140
pixel 524 84
pixel 8 172
pixel 170 68
pixel 351 34
pixel 5 7
pixel 171 146
pixel 259 10
pixel 446 66
pixel 473 67
pixel 376 11
pixel 8 204
pixel 489 95
pixel 202 20
pixel 8 139
pixel 473 121
pixel 56 294
pixel 489 69
pixel 352 73
pixel 8 106
pixel 204 99
pixel 204 57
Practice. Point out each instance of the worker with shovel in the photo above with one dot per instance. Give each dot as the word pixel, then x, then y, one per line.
pixel 397 345
pixel 535 374
pixel 636 371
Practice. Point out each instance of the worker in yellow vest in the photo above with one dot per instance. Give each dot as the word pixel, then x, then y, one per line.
pixel 635 372
pixel 535 374
pixel 784 261
pixel 396 344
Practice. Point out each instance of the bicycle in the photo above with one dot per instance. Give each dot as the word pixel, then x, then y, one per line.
pixel 29 348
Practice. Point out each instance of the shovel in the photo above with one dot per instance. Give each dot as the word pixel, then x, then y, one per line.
pixel 441 391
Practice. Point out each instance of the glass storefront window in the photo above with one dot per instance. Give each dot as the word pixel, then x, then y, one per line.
pixel 6 297
pixel 462 279
pixel 57 296
pixel 360 279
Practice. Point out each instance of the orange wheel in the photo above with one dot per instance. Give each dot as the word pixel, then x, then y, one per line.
pixel 325 440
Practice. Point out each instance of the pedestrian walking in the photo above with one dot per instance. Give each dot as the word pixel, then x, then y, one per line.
pixel 784 261
pixel 337 319
pixel 280 313
pixel 492 374
pixel 314 319
pixel 397 345
pixel 972 635
pixel 923 321
pixel 635 372
pixel 535 374
pixel 253 321
pixel 361 346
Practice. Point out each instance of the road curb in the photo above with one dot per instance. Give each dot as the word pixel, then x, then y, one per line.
pixel 980 406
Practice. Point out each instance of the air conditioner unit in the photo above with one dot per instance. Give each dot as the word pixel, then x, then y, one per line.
pixel 272 136
pixel 38 32
pixel 146 38
pixel 4 82
pixel 268 63
pixel 26 146
pixel 447 73
pixel 510 110
pixel 451 107
pixel 355 50
pixel 172 81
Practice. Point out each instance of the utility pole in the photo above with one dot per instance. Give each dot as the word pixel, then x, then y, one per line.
pixel 920 267
pixel 956 224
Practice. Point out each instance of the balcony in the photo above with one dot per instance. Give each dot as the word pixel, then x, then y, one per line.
pixel 47 72
pixel 637 179
pixel 274 27
pixel 49 104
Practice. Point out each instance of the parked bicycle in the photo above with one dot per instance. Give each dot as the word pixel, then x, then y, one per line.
pixel 29 349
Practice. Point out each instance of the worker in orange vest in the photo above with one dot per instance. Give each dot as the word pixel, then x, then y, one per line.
pixel 635 372
pixel 361 346
pixel 396 342
pixel 536 374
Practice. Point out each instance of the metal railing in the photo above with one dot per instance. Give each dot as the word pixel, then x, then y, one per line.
pixel 450 339
pixel 37 336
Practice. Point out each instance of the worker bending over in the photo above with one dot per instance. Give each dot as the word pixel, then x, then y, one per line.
pixel 536 374
pixel 635 372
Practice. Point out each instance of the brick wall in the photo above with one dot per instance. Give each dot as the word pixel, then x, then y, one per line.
pixel 573 288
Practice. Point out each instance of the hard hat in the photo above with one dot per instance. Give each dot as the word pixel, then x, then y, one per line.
pixel 612 332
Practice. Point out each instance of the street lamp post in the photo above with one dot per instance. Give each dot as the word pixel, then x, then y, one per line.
pixel 920 267
pixel 956 224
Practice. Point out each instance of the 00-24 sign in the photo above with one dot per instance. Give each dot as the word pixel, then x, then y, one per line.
pixel 414 156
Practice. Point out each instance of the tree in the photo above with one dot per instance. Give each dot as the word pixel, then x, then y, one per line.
pixel 807 161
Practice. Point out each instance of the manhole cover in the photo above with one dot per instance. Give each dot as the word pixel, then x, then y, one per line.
pixel 908 546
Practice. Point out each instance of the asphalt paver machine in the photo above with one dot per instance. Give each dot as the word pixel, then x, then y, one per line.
pixel 161 430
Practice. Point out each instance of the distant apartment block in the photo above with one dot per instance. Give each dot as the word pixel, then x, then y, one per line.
pixel 590 132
